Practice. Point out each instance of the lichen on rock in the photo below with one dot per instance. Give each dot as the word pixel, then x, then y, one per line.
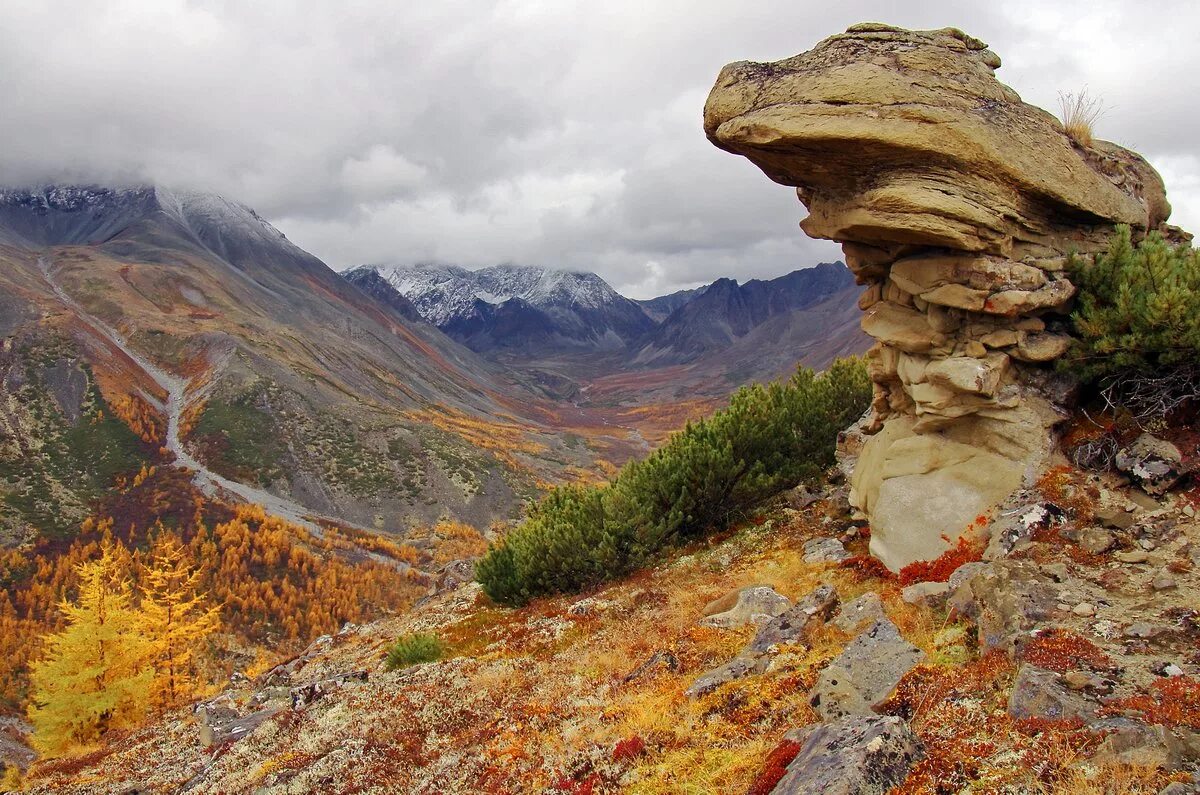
pixel 958 206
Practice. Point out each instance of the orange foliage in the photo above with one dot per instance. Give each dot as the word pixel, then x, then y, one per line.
pixel 1062 650
pixel 966 550
pixel 1173 701
pixel 502 439
pixel 141 418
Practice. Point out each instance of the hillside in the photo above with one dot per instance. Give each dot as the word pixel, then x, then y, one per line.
pixel 292 381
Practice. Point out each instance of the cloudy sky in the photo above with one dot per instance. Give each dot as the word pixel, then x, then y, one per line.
pixel 546 132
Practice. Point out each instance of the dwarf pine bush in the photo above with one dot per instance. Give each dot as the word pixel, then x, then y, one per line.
pixel 1138 323
pixel 409 650
pixel 706 477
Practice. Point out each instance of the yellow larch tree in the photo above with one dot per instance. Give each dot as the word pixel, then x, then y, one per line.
pixel 176 618
pixel 94 675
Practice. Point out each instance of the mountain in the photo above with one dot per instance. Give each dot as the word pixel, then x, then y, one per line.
pixel 660 307
pixel 514 309
pixel 727 311
pixel 148 326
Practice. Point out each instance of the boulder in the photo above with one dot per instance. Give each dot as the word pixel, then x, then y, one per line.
pixel 756 604
pixel 795 623
pixel 1038 693
pixel 864 675
pixel 825 550
pixel 1005 599
pixel 957 206
pixel 1152 463
pixel 866 609
pixel 862 755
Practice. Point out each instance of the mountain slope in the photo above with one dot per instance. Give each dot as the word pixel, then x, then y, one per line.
pixel 518 309
pixel 660 307
pixel 295 382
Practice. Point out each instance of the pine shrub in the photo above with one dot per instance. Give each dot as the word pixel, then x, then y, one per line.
pixel 705 478
pixel 420 647
pixel 1138 323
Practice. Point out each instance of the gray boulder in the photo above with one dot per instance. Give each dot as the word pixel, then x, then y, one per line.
pixel 793 624
pixel 865 674
pixel 857 613
pixel 866 755
pixel 825 550
pixel 753 605
pixel 1153 463
pixel 1038 693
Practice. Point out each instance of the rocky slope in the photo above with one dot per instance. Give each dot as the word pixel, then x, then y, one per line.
pixel 773 661
pixel 957 205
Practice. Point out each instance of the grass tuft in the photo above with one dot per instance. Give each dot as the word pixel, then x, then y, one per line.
pixel 420 647
pixel 1080 113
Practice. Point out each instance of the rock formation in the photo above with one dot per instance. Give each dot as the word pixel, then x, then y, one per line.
pixel 958 206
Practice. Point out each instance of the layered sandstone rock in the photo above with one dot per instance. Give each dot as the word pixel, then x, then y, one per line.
pixel 957 206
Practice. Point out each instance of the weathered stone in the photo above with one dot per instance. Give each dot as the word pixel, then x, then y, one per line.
pixel 952 196
pixel 925 593
pixel 999 339
pixel 1096 540
pixel 1038 693
pixel 864 675
pixel 867 755
pixel 1133 556
pixel 901 327
pixel 825 550
pixel 736 668
pixel 755 604
pixel 866 609
pixel 1153 463
pixel 1040 346
pixel 795 623
pixel 1005 599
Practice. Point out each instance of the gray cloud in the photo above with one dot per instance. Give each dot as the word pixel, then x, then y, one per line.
pixel 554 133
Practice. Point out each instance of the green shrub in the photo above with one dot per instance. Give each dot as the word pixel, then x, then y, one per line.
pixel 706 477
pixel 420 647
pixel 1138 322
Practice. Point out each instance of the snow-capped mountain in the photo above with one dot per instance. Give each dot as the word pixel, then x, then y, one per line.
pixel 516 307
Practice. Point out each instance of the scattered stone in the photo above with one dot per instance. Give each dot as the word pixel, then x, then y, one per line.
pixel 1152 463
pixel 663 658
pixel 1163 582
pixel 1096 540
pixel 866 755
pixel 1180 788
pixel 865 674
pixel 927 593
pixel 1171 669
pixel 756 604
pixel 1143 630
pixel 800 498
pixel 1133 556
pixel 1084 609
pixel 306 694
pixel 794 624
pixel 454 574
pixel 1005 600
pixel 866 609
pixel 825 550
pixel 1132 742
pixel 736 668
pixel 1038 693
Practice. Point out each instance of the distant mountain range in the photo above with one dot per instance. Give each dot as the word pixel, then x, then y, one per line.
pixel 513 308
pixel 532 314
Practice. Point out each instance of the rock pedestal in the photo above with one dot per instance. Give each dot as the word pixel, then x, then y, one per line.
pixel 958 206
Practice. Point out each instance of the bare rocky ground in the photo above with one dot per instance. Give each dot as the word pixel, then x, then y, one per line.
pixel 777 659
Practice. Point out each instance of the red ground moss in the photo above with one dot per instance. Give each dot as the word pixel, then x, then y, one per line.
pixel 966 550
pixel 1062 650
pixel 628 749
pixel 1172 701
pixel 774 767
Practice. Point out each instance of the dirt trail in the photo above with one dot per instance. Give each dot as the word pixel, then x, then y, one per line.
pixel 177 401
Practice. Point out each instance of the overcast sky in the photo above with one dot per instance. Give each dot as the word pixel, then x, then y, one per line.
pixel 547 132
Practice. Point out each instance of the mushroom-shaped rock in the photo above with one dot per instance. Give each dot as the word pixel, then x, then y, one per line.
pixel 958 206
